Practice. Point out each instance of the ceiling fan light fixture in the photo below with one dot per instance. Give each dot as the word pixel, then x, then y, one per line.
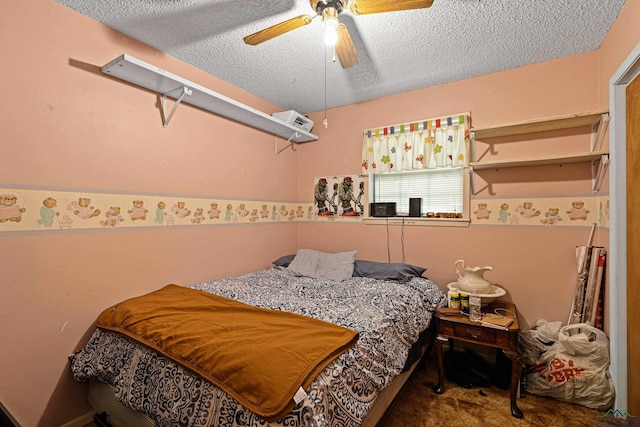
pixel 330 20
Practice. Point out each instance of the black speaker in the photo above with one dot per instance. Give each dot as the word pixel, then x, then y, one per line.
pixel 382 209
pixel 415 206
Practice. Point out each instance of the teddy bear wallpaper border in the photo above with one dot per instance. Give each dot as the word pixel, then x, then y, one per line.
pixel 336 198
pixel 567 211
pixel 47 210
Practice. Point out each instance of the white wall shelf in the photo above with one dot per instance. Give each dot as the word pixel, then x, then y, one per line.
pixel 540 125
pixel 597 120
pixel 538 161
pixel 140 73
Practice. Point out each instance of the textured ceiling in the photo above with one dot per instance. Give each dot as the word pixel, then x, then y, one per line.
pixel 399 51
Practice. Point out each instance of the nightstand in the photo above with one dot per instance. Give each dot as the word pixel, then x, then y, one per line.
pixel 460 328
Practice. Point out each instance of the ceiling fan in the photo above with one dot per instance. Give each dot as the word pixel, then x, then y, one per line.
pixel 336 33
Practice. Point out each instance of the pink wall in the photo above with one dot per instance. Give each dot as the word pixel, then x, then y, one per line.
pixel 535 265
pixel 620 41
pixel 66 125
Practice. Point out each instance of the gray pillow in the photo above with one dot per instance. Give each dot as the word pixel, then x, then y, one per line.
pixel 336 266
pixel 398 271
pixel 305 263
pixel 284 261
pixel 321 265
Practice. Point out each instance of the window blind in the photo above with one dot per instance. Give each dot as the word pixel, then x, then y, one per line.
pixel 441 190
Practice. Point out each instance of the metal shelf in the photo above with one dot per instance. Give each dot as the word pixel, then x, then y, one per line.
pixel 140 73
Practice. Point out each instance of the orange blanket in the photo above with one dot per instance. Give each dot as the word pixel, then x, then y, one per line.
pixel 258 356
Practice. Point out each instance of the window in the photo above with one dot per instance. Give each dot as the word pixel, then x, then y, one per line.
pixel 426 159
pixel 441 190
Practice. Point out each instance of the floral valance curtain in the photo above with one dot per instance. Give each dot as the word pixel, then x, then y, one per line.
pixel 427 144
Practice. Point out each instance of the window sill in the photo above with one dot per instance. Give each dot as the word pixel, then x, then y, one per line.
pixel 418 221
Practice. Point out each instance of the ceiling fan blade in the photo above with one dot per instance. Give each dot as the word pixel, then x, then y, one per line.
pixel 277 30
pixel 364 7
pixel 345 49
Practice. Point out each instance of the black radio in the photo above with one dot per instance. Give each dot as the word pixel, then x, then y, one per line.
pixel 382 209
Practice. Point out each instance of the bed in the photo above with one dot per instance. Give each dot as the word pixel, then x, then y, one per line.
pixel 388 307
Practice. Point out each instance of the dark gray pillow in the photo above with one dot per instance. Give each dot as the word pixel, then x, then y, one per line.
pixel 284 261
pixel 387 270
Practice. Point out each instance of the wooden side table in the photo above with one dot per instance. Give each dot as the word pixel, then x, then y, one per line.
pixel 460 328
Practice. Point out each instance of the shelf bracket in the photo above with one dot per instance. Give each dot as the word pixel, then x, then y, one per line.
pixel 598 129
pixel 598 170
pixel 185 92
pixel 290 144
pixel 472 156
pixel 471 178
pixel 472 148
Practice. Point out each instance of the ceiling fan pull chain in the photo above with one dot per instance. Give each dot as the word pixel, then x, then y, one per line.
pixel 325 122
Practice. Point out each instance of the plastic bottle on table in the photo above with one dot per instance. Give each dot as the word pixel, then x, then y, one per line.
pixel 464 303
pixel 454 300
pixel 475 313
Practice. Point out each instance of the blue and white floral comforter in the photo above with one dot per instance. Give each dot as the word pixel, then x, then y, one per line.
pixel 388 315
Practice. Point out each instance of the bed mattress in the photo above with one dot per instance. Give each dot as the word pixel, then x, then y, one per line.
pixel 388 315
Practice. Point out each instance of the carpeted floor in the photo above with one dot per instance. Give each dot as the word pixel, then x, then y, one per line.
pixel 419 406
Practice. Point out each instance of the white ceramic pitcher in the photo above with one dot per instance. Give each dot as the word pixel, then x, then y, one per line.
pixel 470 279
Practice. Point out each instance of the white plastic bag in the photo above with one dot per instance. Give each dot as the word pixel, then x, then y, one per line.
pixel 536 341
pixel 575 368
